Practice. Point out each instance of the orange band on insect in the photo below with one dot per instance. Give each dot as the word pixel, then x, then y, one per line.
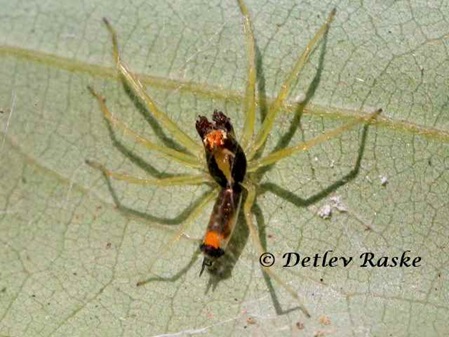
pixel 212 239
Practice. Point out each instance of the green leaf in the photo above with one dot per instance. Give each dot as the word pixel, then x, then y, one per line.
pixel 70 258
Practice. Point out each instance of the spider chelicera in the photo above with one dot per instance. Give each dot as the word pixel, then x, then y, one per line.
pixel 233 165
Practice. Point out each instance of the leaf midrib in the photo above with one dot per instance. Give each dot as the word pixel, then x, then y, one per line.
pixel 214 92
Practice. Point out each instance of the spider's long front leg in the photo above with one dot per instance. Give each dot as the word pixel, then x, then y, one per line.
pixel 281 154
pixel 190 219
pixel 133 82
pixel 250 95
pixel 285 87
pixel 181 180
pixel 179 156
pixel 249 202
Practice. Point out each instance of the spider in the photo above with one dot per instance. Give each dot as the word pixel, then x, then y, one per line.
pixel 232 165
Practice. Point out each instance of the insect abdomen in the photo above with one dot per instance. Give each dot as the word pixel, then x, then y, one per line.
pixel 222 222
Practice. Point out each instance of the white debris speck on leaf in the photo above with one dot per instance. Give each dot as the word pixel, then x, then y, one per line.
pixel 383 180
pixel 338 204
pixel 335 203
pixel 325 212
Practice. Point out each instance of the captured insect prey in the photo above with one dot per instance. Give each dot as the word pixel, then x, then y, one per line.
pixel 233 167
pixel 226 163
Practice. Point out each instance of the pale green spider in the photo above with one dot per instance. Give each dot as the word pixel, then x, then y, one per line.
pixel 252 142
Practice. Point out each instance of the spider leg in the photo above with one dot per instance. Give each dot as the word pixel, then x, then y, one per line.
pixel 250 95
pixel 169 181
pixel 249 202
pixel 182 157
pixel 285 87
pixel 281 154
pixel 133 82
pixel 191 218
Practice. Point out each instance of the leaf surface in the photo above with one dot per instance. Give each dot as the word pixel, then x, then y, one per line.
pixel 70 258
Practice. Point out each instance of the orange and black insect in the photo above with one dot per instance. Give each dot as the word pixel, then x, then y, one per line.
pixel 226 163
